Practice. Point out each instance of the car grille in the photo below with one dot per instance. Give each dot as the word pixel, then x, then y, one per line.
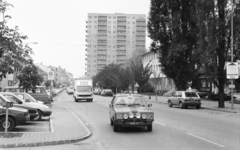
pixel 84 95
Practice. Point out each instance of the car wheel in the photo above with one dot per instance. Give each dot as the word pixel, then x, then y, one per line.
pixel 169 103
pixel 149 128
pixel 198 106
pixel 39 117
pixel 115 127
pixel 181 105
pixel 10 124
pixel 111 122
pixel 91 100
pixel 75 99
pixel 186 107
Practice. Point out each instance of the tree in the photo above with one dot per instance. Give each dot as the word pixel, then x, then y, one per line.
pixel 141 74
pixel 29 77
pixel 173 28
pixel 13 53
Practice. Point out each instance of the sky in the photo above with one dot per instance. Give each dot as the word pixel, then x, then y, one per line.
pixel 59 27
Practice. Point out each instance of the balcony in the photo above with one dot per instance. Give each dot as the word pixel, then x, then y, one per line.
pixel 121 37
pixel 140 24
pixel 140 33
pixel 102 52
pixel 101 46
pixel 101 56
pixel 102 22
pixel 121 17
pixel 121 28
pixel 121 43
pixel 120 47
pixel 86 21
pixel 140 43
pixel 140 37
pixel 121 33
pixel 140 28
pixel 102 17
pixel 121 52
pixel 102 41
pixel 102 32
pixel 102 28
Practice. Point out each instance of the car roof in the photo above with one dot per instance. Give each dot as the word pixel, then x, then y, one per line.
pixel 128 95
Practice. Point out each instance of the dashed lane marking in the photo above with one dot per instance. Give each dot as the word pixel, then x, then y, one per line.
pixel 205 140
pixel 99 145
pixel 159 123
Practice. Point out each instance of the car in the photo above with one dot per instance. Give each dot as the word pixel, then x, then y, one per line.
pixel 42 110
pixel 16 116
pixel 39 93
pixel 201 94
pixel 185 99
pixel 27 97
pixel 130 110
pixel 70 90
pixel 107 92
pixel 97 91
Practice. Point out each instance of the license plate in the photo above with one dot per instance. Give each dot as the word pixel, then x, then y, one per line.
pixel 134 123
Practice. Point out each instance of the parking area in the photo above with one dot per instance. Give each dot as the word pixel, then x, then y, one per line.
pixel 43 125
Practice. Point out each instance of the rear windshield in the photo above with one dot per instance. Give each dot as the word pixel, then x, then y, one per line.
pixel 84 89
pixel 191 94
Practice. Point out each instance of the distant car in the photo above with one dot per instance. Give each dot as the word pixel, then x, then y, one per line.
pixel 16 116
pixel 28 98
pixel 70 90
pixel 130 110
pixel 42 110
pixel 201 94
pixel 184 99
pixel 97 91
pixel 107 92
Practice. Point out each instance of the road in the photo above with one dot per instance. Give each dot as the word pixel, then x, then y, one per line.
pixel 173 128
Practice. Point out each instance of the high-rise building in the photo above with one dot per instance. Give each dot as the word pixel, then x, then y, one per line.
pixel 113 38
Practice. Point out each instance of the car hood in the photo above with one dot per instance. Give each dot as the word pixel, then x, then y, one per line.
pixel 133 109
pixel 24 106
pixel 16 109
pixel 37 105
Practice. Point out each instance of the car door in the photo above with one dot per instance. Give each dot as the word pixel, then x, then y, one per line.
pixel 174 98
pixel 179 97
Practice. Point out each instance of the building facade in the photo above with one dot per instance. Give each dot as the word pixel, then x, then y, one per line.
pixel 113 38
pixel 158 80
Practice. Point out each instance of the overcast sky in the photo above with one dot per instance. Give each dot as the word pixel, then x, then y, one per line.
pixel 59 27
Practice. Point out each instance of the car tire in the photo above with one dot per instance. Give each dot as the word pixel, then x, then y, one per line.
pixel 115 127
pixel 39 117
pixel 169 103
pixel 11 124
pixel 75 99
pixel 181 105
pixel 111 122
pixel 149 128
pixel 198 106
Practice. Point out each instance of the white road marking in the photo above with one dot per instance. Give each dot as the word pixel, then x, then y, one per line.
pixel 99 145
pixel 206 140
pixel 159 123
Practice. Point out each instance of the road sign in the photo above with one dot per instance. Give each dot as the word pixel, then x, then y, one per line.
pixel 231 86
pixel 136 85
pixel 8 104
pixel 50 75
pixel 232 70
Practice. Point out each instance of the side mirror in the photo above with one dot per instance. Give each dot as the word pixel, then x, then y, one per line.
pixel 27 100
pixel 149 105
pixel 110 105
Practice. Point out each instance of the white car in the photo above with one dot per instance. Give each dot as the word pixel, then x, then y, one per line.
pixel 27 97
pixel 42 109
pixel 70 90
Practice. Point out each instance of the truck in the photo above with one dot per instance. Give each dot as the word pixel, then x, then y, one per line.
pixel 83 89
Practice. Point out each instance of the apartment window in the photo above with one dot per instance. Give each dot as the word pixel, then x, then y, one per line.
pixel 133 22
pixel 133 17
pixel 95 21
pixel 109 31
pixel 109 27
pixel 89 21
pixel 109 16
pixel 109 22
pixel 95 26
pixel 95 16
pixel 114 22
pixel 133 32
pixel 90 16
pixel 114 17
pixel 128 22
pixel 89 26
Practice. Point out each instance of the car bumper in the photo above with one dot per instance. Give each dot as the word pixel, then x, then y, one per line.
pixel 133 123
pixel 33 115
pixel 191 103
pixel 47 113
pixel 22 121
pixel 84 98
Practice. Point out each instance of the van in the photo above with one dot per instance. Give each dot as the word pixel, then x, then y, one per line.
pixel 40 93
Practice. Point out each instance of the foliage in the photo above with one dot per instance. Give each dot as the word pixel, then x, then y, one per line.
pixel 173 28
pixel 13 53
pixel 29 77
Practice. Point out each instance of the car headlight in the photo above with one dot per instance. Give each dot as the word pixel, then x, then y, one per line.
pixel 119 116
pixel 144 116
pixel 130 115
pixel 149 116
pixel 138 115
pixel 125 116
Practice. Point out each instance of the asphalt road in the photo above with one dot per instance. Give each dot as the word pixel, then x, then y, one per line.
pixel 173 128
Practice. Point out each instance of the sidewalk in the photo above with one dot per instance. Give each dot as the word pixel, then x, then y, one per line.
pixel 206 104
pixel 65 128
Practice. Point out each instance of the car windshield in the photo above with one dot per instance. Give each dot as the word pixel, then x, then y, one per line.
pixel 130 101
pixel 84 89
pixel 191 94
pixel 31 98
pixel 13 89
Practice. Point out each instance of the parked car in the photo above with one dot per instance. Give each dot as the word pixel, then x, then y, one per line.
pixel 130 110
pixel 201 94
pixel 28 98
pixel 184 99
pixel 107 92
pixel 42 110
pixel 70 90
pixel 40 93
pixel 16 116
pixel 97 91
pixel 215 97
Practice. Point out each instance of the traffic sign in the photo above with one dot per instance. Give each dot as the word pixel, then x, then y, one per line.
pixel 50 75
pixel 8 104
pixel 231 86
pixel 232 70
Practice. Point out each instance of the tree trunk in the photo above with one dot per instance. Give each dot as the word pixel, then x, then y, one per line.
pixel 221 103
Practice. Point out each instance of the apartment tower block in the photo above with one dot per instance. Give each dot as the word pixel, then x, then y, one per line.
pixel 113 38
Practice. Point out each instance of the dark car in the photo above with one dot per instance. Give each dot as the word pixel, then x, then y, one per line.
pixel 17 116
pixel 40 93
pixel 107 92
pixel 130 110
pixel 201 94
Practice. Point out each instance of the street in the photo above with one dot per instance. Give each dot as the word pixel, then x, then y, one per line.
pixel 173 128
